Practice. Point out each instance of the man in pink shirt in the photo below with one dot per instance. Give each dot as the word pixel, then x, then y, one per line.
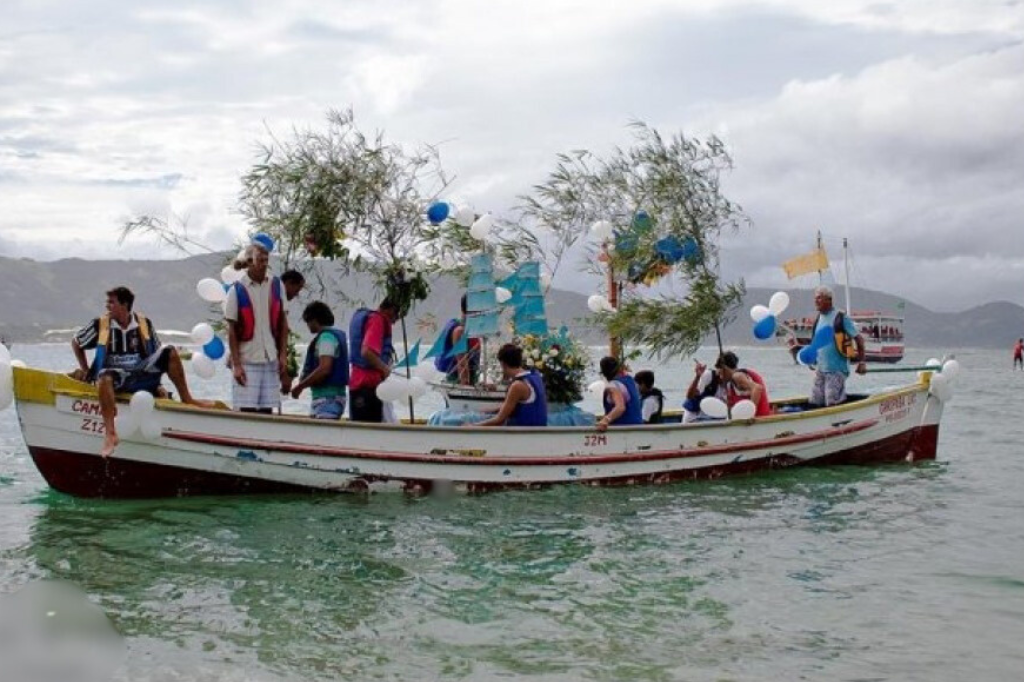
pixel 371 353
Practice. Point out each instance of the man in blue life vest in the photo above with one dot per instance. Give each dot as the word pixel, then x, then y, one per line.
pixel 256 312
pixel 833 362
pixel 129 358
pixel 622 404
pixel 371 353
pixel 461 368
pixel 526 402
pixel 325 370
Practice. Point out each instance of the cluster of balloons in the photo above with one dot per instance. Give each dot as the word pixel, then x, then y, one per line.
pixel 599 304
pixel 140 416
pixel 941 382
pixel 479 228
pixel 717 409
pixel 765 317
pixel 823 338
pixel 213 349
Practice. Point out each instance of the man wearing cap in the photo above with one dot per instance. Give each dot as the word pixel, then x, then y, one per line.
pixel 833 366
pixel 256 312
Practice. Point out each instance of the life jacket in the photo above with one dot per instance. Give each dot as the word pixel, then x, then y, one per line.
pixel 103 342
pixel 247 320
pixel 660 397
pixel 535 413
pixel 444 362
pixel 710 391
pixel 634 413
pixel 356 331
pixel 339 368
pixel 764 405
pixel 845 344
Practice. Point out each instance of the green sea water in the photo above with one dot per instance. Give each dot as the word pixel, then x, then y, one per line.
pixel 842 573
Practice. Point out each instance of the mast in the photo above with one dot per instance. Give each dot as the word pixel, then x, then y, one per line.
pixel 846 265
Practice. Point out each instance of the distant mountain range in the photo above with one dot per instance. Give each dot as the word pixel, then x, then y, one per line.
pixel 37 297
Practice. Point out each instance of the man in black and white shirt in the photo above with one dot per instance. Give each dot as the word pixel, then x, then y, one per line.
pixel 128 359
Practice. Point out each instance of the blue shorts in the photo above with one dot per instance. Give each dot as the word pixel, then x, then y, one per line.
pixel 327 408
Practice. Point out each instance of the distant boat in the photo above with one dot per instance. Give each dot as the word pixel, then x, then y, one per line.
pixel 882 332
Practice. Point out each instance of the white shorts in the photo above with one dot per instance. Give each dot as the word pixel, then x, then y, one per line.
pixel 262 388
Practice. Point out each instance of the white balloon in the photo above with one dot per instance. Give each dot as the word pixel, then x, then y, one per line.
pixel 482 227
pixel 502 294
pixel 713 407
pixel 744 409
pixel 940 388
pixel 392 388
pixel 210 290
pixel 126 423
pixel 150 428
pixel 5 355
pixel 601 230
pixel 142 403
pixel 950 370
pixel 6 397
pixel 202 334
pixel 759 312
pixel 203 366
pixel 933 362
pixel 596 388
pixel 465 216
pixel 778 302
pixel 597 303
pixel 418 387
pixel 18 363
pixel 229 275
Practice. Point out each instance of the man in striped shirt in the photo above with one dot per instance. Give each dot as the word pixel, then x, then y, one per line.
pixel 129 358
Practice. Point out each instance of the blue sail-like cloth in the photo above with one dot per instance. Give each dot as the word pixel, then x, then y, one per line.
pixel 460 346
pixel 482 324
pixel 438 346
pixel 412 359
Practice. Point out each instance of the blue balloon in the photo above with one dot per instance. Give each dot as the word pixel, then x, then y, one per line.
pixel 670 249
pixel 807 355
pixel 765 329
pixel 823 337
pixel 691 250
pixel 438 212
pixel 214 349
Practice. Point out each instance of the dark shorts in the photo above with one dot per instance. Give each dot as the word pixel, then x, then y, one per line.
pixel 365 406
pixel 143 378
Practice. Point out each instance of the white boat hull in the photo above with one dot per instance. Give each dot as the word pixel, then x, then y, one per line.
pixel 223 452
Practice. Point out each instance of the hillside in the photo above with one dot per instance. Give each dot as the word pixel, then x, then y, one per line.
pixel 37 296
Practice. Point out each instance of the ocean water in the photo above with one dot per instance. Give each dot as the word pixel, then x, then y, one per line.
pixel 842 573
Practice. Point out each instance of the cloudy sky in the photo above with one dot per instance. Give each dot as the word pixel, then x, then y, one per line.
pixel 896 124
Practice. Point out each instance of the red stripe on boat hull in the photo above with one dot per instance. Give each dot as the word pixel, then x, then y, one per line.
pixel 91 476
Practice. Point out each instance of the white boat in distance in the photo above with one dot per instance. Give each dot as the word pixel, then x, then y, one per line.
pixel 217 451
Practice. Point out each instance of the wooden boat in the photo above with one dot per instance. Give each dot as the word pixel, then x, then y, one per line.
pixel 217 451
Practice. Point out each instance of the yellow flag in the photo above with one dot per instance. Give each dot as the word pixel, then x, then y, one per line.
pixel 811 262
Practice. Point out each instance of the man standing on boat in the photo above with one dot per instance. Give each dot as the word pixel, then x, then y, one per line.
pixel 256 312
pixel 526 402
pixel 371 353
pixel 833 362
pixel 325 370
pixel 128 359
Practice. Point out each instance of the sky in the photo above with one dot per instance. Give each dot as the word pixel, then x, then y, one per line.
pixel 897 125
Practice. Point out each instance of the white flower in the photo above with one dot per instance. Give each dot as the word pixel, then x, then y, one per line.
pixel 553 353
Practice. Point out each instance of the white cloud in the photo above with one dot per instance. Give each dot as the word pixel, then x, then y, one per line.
pixel 893 124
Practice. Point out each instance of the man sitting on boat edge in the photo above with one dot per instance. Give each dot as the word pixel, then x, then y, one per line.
pixel 526 402
pixel 621 398
pixel 129 358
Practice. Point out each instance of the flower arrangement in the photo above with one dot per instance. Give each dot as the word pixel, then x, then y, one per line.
pixel 562 362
